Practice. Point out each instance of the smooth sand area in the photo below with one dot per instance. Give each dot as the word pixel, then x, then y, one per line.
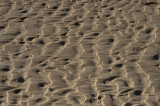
pixel 79 53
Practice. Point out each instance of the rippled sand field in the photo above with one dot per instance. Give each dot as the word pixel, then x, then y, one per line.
pixel 79 53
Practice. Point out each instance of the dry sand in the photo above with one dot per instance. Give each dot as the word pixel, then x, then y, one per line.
pixel 79 53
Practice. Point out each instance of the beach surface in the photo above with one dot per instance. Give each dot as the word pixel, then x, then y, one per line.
pixel 79 53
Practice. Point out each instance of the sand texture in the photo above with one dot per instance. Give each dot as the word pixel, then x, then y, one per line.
pixel 79 53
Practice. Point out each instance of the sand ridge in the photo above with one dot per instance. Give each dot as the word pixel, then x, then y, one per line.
pixel 79 52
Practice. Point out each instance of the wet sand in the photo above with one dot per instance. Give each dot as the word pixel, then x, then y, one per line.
pixel 79 53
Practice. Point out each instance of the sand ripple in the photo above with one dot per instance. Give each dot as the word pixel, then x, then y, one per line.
pixel 79 52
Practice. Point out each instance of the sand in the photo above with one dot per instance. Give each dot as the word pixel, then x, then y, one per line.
pixel 79 53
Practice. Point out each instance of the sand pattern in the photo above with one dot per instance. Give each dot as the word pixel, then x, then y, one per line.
pixel 79 52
